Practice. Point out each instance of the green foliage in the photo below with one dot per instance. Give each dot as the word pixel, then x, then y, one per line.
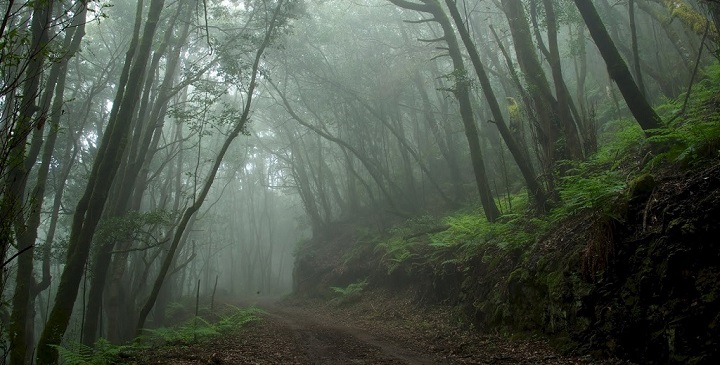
pixel 196 329
pixel 464 229
pixel 466 234
pixel 238 319
pixel 600 191
pixel 396 250
pixel 102 353
pixel 686 145
pixel 199 329
pixel 414 225
pixel 694 133
pixel 133 226
pixel 620 142
pixel 350 293
pixel 175 309
pixel 473 231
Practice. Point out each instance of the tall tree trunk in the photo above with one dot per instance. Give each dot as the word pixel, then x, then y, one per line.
pixel 545 104
pixel 298 165
pixel 128 184
pixel 566 107
pixel 445 149
pixel 90 207
pixel 13 195
pixel 617 69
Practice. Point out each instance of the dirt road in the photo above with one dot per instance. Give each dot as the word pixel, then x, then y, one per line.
pixel 323 341
pixel 316 334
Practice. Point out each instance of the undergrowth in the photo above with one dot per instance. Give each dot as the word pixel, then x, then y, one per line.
pixel 193 331
pixel 350 293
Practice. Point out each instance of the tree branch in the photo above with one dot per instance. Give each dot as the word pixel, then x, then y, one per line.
pixel 431 40
pixel 412 6
pixel 419 21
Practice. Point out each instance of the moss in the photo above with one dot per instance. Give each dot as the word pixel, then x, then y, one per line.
pixel 642 186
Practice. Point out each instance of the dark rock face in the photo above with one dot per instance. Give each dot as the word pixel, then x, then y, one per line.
pixel 656 299
pixel 660 301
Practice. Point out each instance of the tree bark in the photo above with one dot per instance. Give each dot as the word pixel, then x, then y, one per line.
pixel 128 182
pixel 566 108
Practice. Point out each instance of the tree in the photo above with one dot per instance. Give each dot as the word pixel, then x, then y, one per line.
pixel 537 192
pixel 26 224
pixel 147 124
pixel 89 209
pixel 240 126
pixel 13 202
pixel 557 133
pixel 461 91
pixel 617 69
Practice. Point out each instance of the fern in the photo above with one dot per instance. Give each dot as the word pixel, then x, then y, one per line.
pixel 396 251
pixel 352 289
pixel 199 329
pixel 350 293
pixel 598 192
pixel 102 353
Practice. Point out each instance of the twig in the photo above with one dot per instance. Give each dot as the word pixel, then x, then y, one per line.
pixel 16 255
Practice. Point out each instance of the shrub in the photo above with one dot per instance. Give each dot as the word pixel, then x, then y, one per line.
pixel 350 293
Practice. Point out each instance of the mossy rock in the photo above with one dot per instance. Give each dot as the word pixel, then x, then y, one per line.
pixel 641 187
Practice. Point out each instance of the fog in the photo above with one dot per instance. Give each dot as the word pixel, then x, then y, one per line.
pixel 159 151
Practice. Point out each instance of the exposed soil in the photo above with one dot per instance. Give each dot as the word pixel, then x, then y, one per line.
pixel 378 330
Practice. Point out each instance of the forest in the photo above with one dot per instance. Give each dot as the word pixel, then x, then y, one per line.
pixel 359 181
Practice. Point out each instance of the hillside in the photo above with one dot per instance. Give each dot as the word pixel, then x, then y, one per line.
pixel 626 264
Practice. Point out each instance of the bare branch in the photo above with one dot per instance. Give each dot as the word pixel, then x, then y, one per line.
pixel 412 6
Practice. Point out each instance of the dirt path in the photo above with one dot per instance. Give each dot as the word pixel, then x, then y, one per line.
pixel 325 335
pixel 329 342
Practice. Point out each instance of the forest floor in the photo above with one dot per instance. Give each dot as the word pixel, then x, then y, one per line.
pixel 380 329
